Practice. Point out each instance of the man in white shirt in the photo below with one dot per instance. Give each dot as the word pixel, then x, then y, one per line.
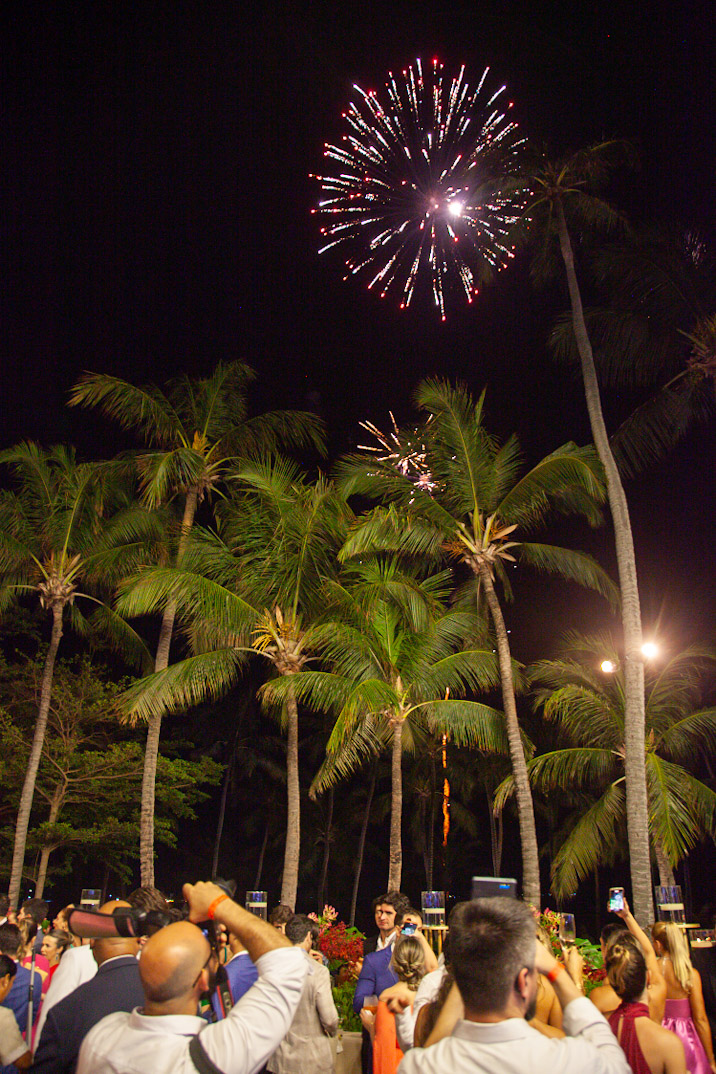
pixel 496 961
pixel 167 1036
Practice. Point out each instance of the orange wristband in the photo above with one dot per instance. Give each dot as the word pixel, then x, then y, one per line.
pixel 212 909
pixel 554 974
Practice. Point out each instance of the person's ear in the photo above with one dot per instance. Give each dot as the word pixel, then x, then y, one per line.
pixel 522 982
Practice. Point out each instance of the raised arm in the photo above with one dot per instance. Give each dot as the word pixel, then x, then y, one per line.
pixel 657 984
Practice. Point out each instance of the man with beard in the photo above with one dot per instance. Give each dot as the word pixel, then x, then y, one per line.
pixel 496 961
pixel 166 1034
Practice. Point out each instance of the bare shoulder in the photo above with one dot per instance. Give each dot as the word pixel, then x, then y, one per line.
pixel 604 998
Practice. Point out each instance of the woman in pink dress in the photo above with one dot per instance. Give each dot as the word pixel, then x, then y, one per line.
pixel 649 1048
pixel 685 1014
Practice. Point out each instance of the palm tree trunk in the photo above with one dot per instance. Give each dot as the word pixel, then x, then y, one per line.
pixel 361 842
pixel 666 873
pixel 523 792
pixel 634 719
pixel 58 798
pixel 326 852
pixel 262 853
pixel 395 855
pixel 33 764
pixel 289 883
pixel 154 723
pixel 222 814
pixel 495 835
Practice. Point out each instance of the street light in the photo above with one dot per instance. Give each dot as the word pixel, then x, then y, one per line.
pixel 648 651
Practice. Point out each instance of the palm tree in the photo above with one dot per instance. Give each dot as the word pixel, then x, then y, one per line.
pixel 654 330
pixel 193 433
pixel 470 503
pixel 394 653
pixel 257 587
pixel 57 532
pixel 564 198
pixel 589 708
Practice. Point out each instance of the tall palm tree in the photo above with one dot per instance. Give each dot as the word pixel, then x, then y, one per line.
pixel 61 529
pixel 469 502
pixel 394 653
pixel 193 431
pixel 588 707
pixel 256 587
pixel 654 332
pixel 564 200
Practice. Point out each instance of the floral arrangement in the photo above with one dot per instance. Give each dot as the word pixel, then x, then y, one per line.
pixel 593 972
pixel 343 947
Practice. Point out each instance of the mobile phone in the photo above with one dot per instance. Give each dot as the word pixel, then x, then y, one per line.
pixel 409 928
pixel 616 899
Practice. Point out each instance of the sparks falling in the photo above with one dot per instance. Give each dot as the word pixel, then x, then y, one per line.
pixel 410 198
pixel 408 455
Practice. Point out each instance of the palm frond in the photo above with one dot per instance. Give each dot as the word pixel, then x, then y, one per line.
pixel 182 685
pixel 593 841
pixel 574 566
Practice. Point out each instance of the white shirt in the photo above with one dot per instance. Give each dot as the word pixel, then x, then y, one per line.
pixel 12 1046
pixel 426 993
pixel 389 941
pixel 514 1047
pixel 240 1044
pixel 76 966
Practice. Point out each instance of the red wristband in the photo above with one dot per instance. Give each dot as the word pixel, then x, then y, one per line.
pixel 212 909
pixel 554 974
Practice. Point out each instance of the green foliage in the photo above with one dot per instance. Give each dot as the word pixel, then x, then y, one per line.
pixel 90 771
pixel 343 994
pixel 587 706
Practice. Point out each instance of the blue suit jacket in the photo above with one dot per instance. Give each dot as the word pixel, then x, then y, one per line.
pixel 241 973
pixel 116 987
pixel 375 976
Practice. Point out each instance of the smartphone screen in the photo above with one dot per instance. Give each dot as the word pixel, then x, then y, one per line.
pixel 409 928
pixel 616 899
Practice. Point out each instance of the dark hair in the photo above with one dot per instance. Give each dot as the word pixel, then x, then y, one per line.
pixel 36 909
pixel 626 968
pixel 62 939
pixel 10 940
pixel 491 940
pixel 298 928
pixel 611 930
pixel 7 966
pixel 148 898
pixel 396 899
pixel 4 905
pixel 428 1020
pixel 280 914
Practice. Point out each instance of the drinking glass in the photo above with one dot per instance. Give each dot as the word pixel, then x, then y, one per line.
pixel 567 928
pixel 257 903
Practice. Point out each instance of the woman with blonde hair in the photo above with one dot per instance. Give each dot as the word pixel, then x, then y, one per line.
pixel 648 1047
pixel 685 1013
pixel 408 963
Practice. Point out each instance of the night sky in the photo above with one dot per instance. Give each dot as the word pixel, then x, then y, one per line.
pixel 157 219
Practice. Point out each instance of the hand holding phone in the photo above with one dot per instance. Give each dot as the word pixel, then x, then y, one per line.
pixel 409 928
pixel 616 900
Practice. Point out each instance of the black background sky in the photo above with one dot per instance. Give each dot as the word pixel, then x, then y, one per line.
pixel 156 219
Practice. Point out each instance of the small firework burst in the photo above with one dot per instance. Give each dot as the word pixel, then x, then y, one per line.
pixel 406 454
pixel 411 197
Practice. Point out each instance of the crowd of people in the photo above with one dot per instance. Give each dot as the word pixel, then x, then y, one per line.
pixel 496 1000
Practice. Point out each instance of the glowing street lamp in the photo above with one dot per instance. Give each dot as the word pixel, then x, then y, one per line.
pixel 650 650
pixel 608 667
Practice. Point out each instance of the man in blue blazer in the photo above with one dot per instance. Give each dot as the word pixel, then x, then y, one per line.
pixel 116 987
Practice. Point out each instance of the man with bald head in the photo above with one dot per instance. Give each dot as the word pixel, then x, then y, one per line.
pixel 115 987
pixel 166 1036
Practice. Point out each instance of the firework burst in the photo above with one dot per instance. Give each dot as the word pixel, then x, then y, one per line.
pixel 405 453
pixel 410 197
